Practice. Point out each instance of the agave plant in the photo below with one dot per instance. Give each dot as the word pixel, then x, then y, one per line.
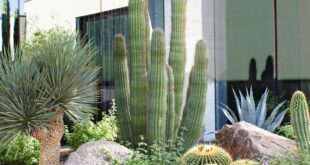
pixel 37 90
pixel 249 112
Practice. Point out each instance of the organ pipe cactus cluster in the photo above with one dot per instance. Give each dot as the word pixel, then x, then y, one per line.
pixel 206 154
pixel 300 120
pixel 149 92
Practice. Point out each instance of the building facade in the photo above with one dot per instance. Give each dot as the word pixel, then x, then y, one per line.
pixel 257 44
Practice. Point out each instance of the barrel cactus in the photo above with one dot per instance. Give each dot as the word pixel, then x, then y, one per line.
pixel 206 154
pixel 300 120
pixel 149 89
pixel 244 162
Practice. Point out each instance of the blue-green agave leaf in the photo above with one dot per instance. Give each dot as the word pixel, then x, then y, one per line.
pixel 229 114
pixel 277 121
pixel 238 105
pixel 262 109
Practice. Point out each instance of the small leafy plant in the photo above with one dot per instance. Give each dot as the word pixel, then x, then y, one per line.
pixel 158 153
pixel 248 111
pixel 22 150
pixel 287 131
pixel 86 131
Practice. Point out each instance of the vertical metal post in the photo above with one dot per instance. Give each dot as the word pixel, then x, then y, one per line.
pixel 275 19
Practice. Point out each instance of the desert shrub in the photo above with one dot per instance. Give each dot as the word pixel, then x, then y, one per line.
pixel 22 150
pixel 287 159
pixel 105 129
pixel 158 153
pixel 286 131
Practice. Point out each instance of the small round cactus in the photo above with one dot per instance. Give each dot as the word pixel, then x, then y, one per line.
pixel 206 154
pixel 244 162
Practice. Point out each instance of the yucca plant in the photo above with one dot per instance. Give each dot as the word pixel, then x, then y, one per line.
pixel 37 90
pixel 249 112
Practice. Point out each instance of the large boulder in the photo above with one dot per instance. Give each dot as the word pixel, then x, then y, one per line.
pixel 99 152
pixel 246 141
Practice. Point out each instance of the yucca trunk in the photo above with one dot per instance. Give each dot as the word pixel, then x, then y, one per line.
pixel 50 141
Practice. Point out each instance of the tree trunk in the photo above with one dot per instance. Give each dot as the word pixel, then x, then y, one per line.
pixel 49 138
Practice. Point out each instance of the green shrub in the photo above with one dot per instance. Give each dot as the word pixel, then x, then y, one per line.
pixel 158 153
pixel 86 131
pixel 287 131
pixel 22 150
pixel 287 159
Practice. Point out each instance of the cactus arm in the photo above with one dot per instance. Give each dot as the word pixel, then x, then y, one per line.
pixel 138 67
pixel 194 120
pixel 187 97
pixel 122 89
pixel 158 83
pixel 6 25
pixel 300 120
pixel 16 35
pixel 170 121
pixel 177 54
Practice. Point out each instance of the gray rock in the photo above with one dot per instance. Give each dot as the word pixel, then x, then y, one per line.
pixel 246 141
pixel 99 153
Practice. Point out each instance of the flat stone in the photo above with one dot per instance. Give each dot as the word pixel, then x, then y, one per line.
pixel 99 153
pixel 246 141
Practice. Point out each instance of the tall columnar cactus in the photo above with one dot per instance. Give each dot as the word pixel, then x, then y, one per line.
pixel 300 120
pixel 206 154
pixel 6 25
pixel 158 83
pixel 196 103
pixel 150 96
pixel 177 54
pixel 170 119
pixel 122 86
pixel 137 28
pixel 16 35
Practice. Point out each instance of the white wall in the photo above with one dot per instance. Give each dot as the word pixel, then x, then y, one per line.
pixel 44 14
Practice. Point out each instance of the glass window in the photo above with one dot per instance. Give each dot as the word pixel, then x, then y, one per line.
pixel 101 29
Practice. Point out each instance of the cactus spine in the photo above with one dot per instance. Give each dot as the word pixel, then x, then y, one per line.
pixel 158 83
pixel 122 86
pixel 206 154
pixel 244 162
pixel 5 25
pixel 170 120
pixel 194 119
pixel 177 54
pixel 300 120
pixel 137 28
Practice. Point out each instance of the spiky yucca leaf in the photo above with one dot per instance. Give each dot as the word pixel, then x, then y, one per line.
pixel 70 74
pixel 21 88
pixel 34 89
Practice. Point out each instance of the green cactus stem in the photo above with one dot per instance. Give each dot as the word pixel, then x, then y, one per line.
pixel 16 35
pixel 6 25
pixel 194 119
pixel 177 54
pixel 300 120
pixel 137 28
pixel 170 120
pixel 206 154
pixel 158 83
pixel 122 87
